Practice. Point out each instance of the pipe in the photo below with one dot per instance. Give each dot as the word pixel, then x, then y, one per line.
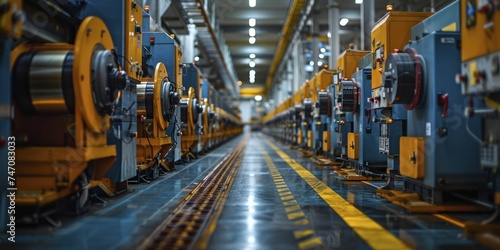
pixel 477 202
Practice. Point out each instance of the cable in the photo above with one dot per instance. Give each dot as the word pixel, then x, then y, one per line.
pixel 147 137
pixel 467 119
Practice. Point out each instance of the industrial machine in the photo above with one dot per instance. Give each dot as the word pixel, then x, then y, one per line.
pixel 208 115
pixel 480 79
pixel 67 82
pixel 322 114
pixel 347 63
pixel 391 32
pixel 364 157
pixel 288 122
pixel 191 112
pixel 11 20
pixel 353 96
pixel 307 118
pixel 158 47
pixel 157 98
pixel 297 119
pixel 126 34
pixel 434 157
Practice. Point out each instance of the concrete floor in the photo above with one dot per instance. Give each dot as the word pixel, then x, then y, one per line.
pixel 271 205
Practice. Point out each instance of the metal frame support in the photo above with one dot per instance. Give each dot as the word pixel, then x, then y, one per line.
pixel 333 23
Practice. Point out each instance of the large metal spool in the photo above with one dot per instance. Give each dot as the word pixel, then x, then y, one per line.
pixel 59 79
pixel 403 78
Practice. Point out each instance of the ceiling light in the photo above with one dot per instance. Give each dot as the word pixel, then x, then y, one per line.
pixel 240 83
pixel 251 64
pixel 329 34
pixel 258 98
pixel 251 22
pixel 252 81
pixel 252 3
pixel 251 72
pixel 252 56
pixel 311 63
pixel 358 1
pixel 321 56
pixel 343 21
pixel 196 58
pixel 251 40
pixel 251 32
pixel 320 63
pixel 322 50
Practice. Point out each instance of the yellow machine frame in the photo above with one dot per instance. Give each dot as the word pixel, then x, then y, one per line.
pixel 391 32
pixel 189 137
pixel 48 173
pixel 155 142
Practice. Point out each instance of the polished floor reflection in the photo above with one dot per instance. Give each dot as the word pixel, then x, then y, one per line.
pixel 256 216
pixel 270 206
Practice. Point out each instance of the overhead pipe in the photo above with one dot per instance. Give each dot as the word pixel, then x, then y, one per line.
pixel 290 30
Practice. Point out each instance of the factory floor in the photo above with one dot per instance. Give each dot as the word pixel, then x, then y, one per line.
pixel 278 200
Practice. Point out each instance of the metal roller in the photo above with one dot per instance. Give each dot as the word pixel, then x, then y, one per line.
pixel 145 93
pixel 43 82
pixel 348 96
pixel 402 78
pixel 168 98
pixel 297 110
pixel 196 109
pixel 324 103
pixel 307 109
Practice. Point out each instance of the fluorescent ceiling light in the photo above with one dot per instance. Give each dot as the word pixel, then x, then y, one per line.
pixel 322 50
pixel 196 58
pixel 251 32
pixel 251 72
pixel 251 40
pixel 251 64
pixel 252 81
pixel 252 3
pixel 258 98
pixel 252 56
pixel 321 56
pixel 311 63
pixel 329 34
pixel 320 63
pixel 358 1
pixel 251 22
pixel 343 21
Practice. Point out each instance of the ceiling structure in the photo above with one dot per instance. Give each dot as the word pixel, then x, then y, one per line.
pixel 223 47
pixel 270 17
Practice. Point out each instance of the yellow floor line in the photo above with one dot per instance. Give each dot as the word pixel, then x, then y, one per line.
pixel 305 237
pixel 299 234
pixel 310 243
pixel 290 203
pixel 376 236
pixel 295 215
pixel 292 208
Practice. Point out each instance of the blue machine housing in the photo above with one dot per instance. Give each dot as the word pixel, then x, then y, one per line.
pixel 163 50
pixel 336 149
pixel 368 131
pixel 190 77
pixel 394 131
pixel 344 128
pixel 125 114
pixel 449 162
